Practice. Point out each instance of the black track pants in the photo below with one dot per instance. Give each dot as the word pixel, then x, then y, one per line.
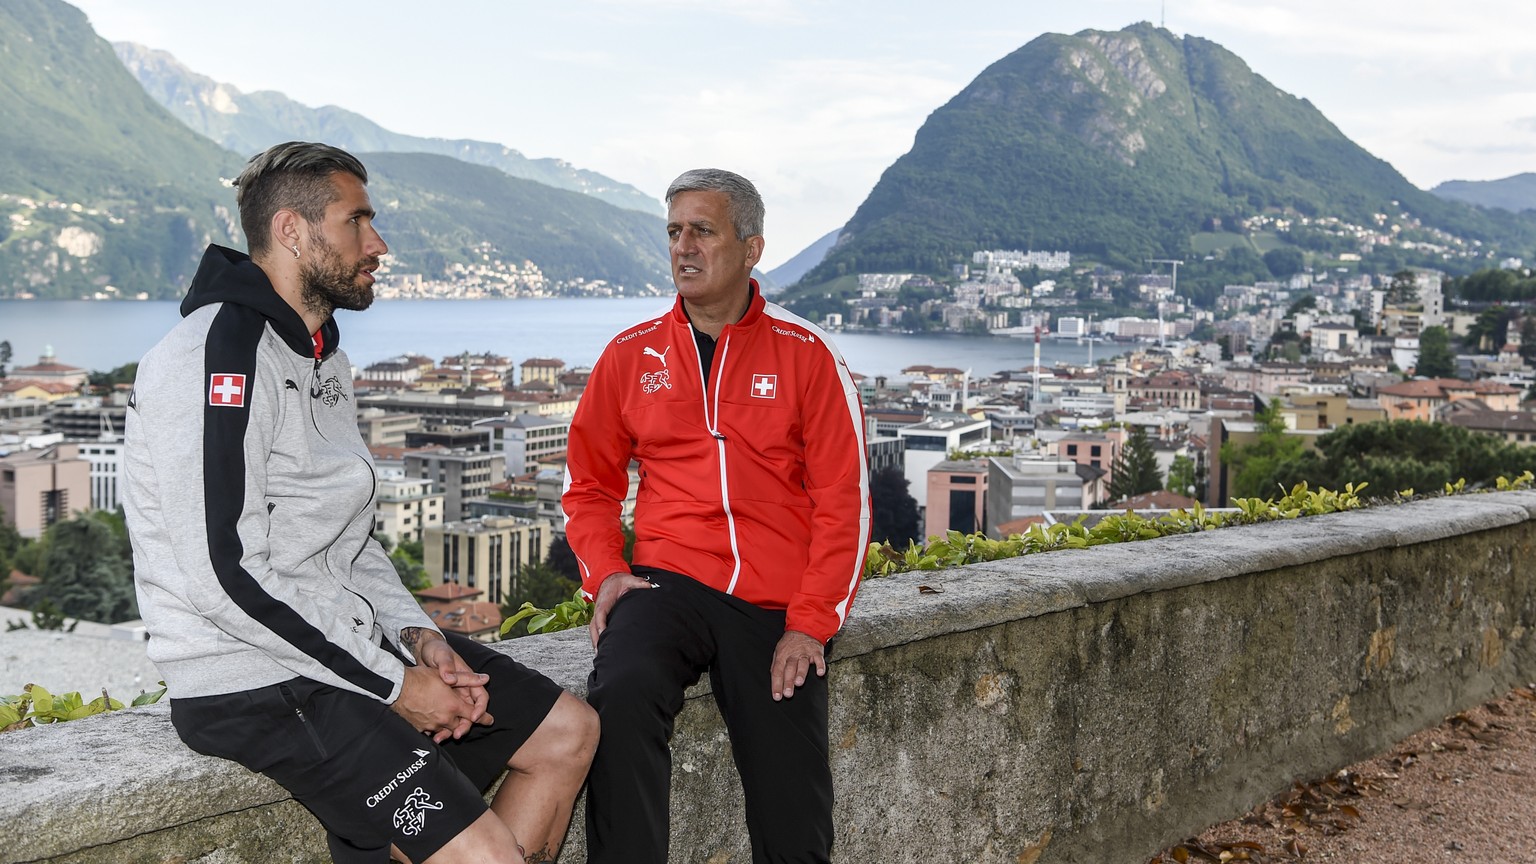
pixel 658 642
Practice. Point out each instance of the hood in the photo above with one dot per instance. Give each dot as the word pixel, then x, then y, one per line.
pixel 230 276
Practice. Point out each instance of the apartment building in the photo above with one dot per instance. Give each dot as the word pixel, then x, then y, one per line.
pixel 404 509
pixel 459 474
pixel 486 554
pixel 42 486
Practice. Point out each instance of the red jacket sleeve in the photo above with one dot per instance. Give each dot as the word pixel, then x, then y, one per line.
pixel 837 480
pixel 597 479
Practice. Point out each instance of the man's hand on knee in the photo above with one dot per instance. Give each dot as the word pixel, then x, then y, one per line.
pixel 792 660
pixel 614 587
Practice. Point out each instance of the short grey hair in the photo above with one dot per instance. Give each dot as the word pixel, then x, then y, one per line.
pixel 293 176
pixel 743 203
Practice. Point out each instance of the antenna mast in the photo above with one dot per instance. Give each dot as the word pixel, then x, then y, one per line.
pixel 1173 286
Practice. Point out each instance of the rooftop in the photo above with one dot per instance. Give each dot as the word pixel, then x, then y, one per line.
pixel 81 661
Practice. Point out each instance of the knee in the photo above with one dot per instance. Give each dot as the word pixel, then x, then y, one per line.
pixel 583 724
pixel 634 698
pixel 568 736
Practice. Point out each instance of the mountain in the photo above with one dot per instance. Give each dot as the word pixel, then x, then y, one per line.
pixel 1514 194
pixel 790 271
pixel 436 211
pixel 104 192
pixel 99 185
pixel 1122 145
pixel 250 122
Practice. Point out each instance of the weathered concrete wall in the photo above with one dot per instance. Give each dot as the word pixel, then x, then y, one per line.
pixel 1084 706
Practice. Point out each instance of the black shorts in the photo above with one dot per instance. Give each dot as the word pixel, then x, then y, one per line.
pixel 368 775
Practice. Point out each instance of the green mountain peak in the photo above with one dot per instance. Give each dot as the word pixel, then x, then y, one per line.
pixel 1121 145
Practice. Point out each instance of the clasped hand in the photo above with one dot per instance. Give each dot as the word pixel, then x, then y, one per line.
pixel 441 696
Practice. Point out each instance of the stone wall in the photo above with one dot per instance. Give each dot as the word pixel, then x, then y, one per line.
pixel 1077 706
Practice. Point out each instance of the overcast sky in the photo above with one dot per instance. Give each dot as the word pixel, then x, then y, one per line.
pixel 813 99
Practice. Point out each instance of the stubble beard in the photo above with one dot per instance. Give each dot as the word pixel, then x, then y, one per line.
pixel 329 283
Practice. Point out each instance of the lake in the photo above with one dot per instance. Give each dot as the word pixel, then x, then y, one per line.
pixel 104 335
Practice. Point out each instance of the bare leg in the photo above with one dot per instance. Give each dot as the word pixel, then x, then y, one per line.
pixel 486 841
pixel 536 798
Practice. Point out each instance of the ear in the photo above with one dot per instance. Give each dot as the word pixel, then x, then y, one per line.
pixel 754 249
pixel 287 230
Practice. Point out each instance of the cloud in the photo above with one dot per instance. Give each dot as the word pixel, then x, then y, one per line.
pixel 813 134
pixel 1407 31
pixel 1370 52
pixel 788 13
pixel 1471 135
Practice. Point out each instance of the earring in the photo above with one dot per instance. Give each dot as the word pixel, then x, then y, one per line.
pixel 295 251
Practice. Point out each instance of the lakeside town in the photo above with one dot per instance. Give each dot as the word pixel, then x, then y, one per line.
pixel 470 447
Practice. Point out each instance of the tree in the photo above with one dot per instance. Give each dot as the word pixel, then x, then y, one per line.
pixel 46 616
pixel 562 560
pixel 1397 455
pixel 121 375
pixel 10 543
pixel 407 561
pixel 1402 290
pixel 5 357
pixel 1181 477
pixel 554 579
pixel 1528 339
pixel 893 510
pixel 1134 471
pixel 1285 261
pixel 87 570
pixel 1285 345
pixel 1435 357
pixel 413 575
pixel 1253 464
pixel 1490 331
pixel 541 585
pixel 1306 301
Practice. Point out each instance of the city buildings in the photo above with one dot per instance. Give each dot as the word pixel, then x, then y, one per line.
pixel 930 442
pixel 527 440
pixel 39 487
pixel 459 474
pixel 406 508
pixel 486 553
pixel 1026 485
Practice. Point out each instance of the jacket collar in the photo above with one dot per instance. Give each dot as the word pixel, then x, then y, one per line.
pixel 753 314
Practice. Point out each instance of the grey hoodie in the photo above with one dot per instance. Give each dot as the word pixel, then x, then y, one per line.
pixel 250 501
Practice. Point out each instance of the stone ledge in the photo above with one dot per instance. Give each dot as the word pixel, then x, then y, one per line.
pixel 1138 691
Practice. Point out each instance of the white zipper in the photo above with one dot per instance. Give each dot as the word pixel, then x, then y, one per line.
pixel 712 424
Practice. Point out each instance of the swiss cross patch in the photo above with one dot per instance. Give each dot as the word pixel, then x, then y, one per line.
pixel 765 386
pixel 226 390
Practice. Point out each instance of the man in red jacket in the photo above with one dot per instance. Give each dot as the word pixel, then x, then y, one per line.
pixel 751 521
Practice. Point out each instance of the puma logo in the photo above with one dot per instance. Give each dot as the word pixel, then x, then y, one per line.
pixel 651 352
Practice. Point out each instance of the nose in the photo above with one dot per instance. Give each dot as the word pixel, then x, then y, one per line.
pixel 684 243
pixel 376 246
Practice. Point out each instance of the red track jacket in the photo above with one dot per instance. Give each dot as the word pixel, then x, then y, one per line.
pixel 759 489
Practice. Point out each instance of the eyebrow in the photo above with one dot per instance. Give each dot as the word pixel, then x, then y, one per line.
pixel 363 211
pixel 697 223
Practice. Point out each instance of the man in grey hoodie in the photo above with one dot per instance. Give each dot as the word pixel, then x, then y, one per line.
pixel 284 634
